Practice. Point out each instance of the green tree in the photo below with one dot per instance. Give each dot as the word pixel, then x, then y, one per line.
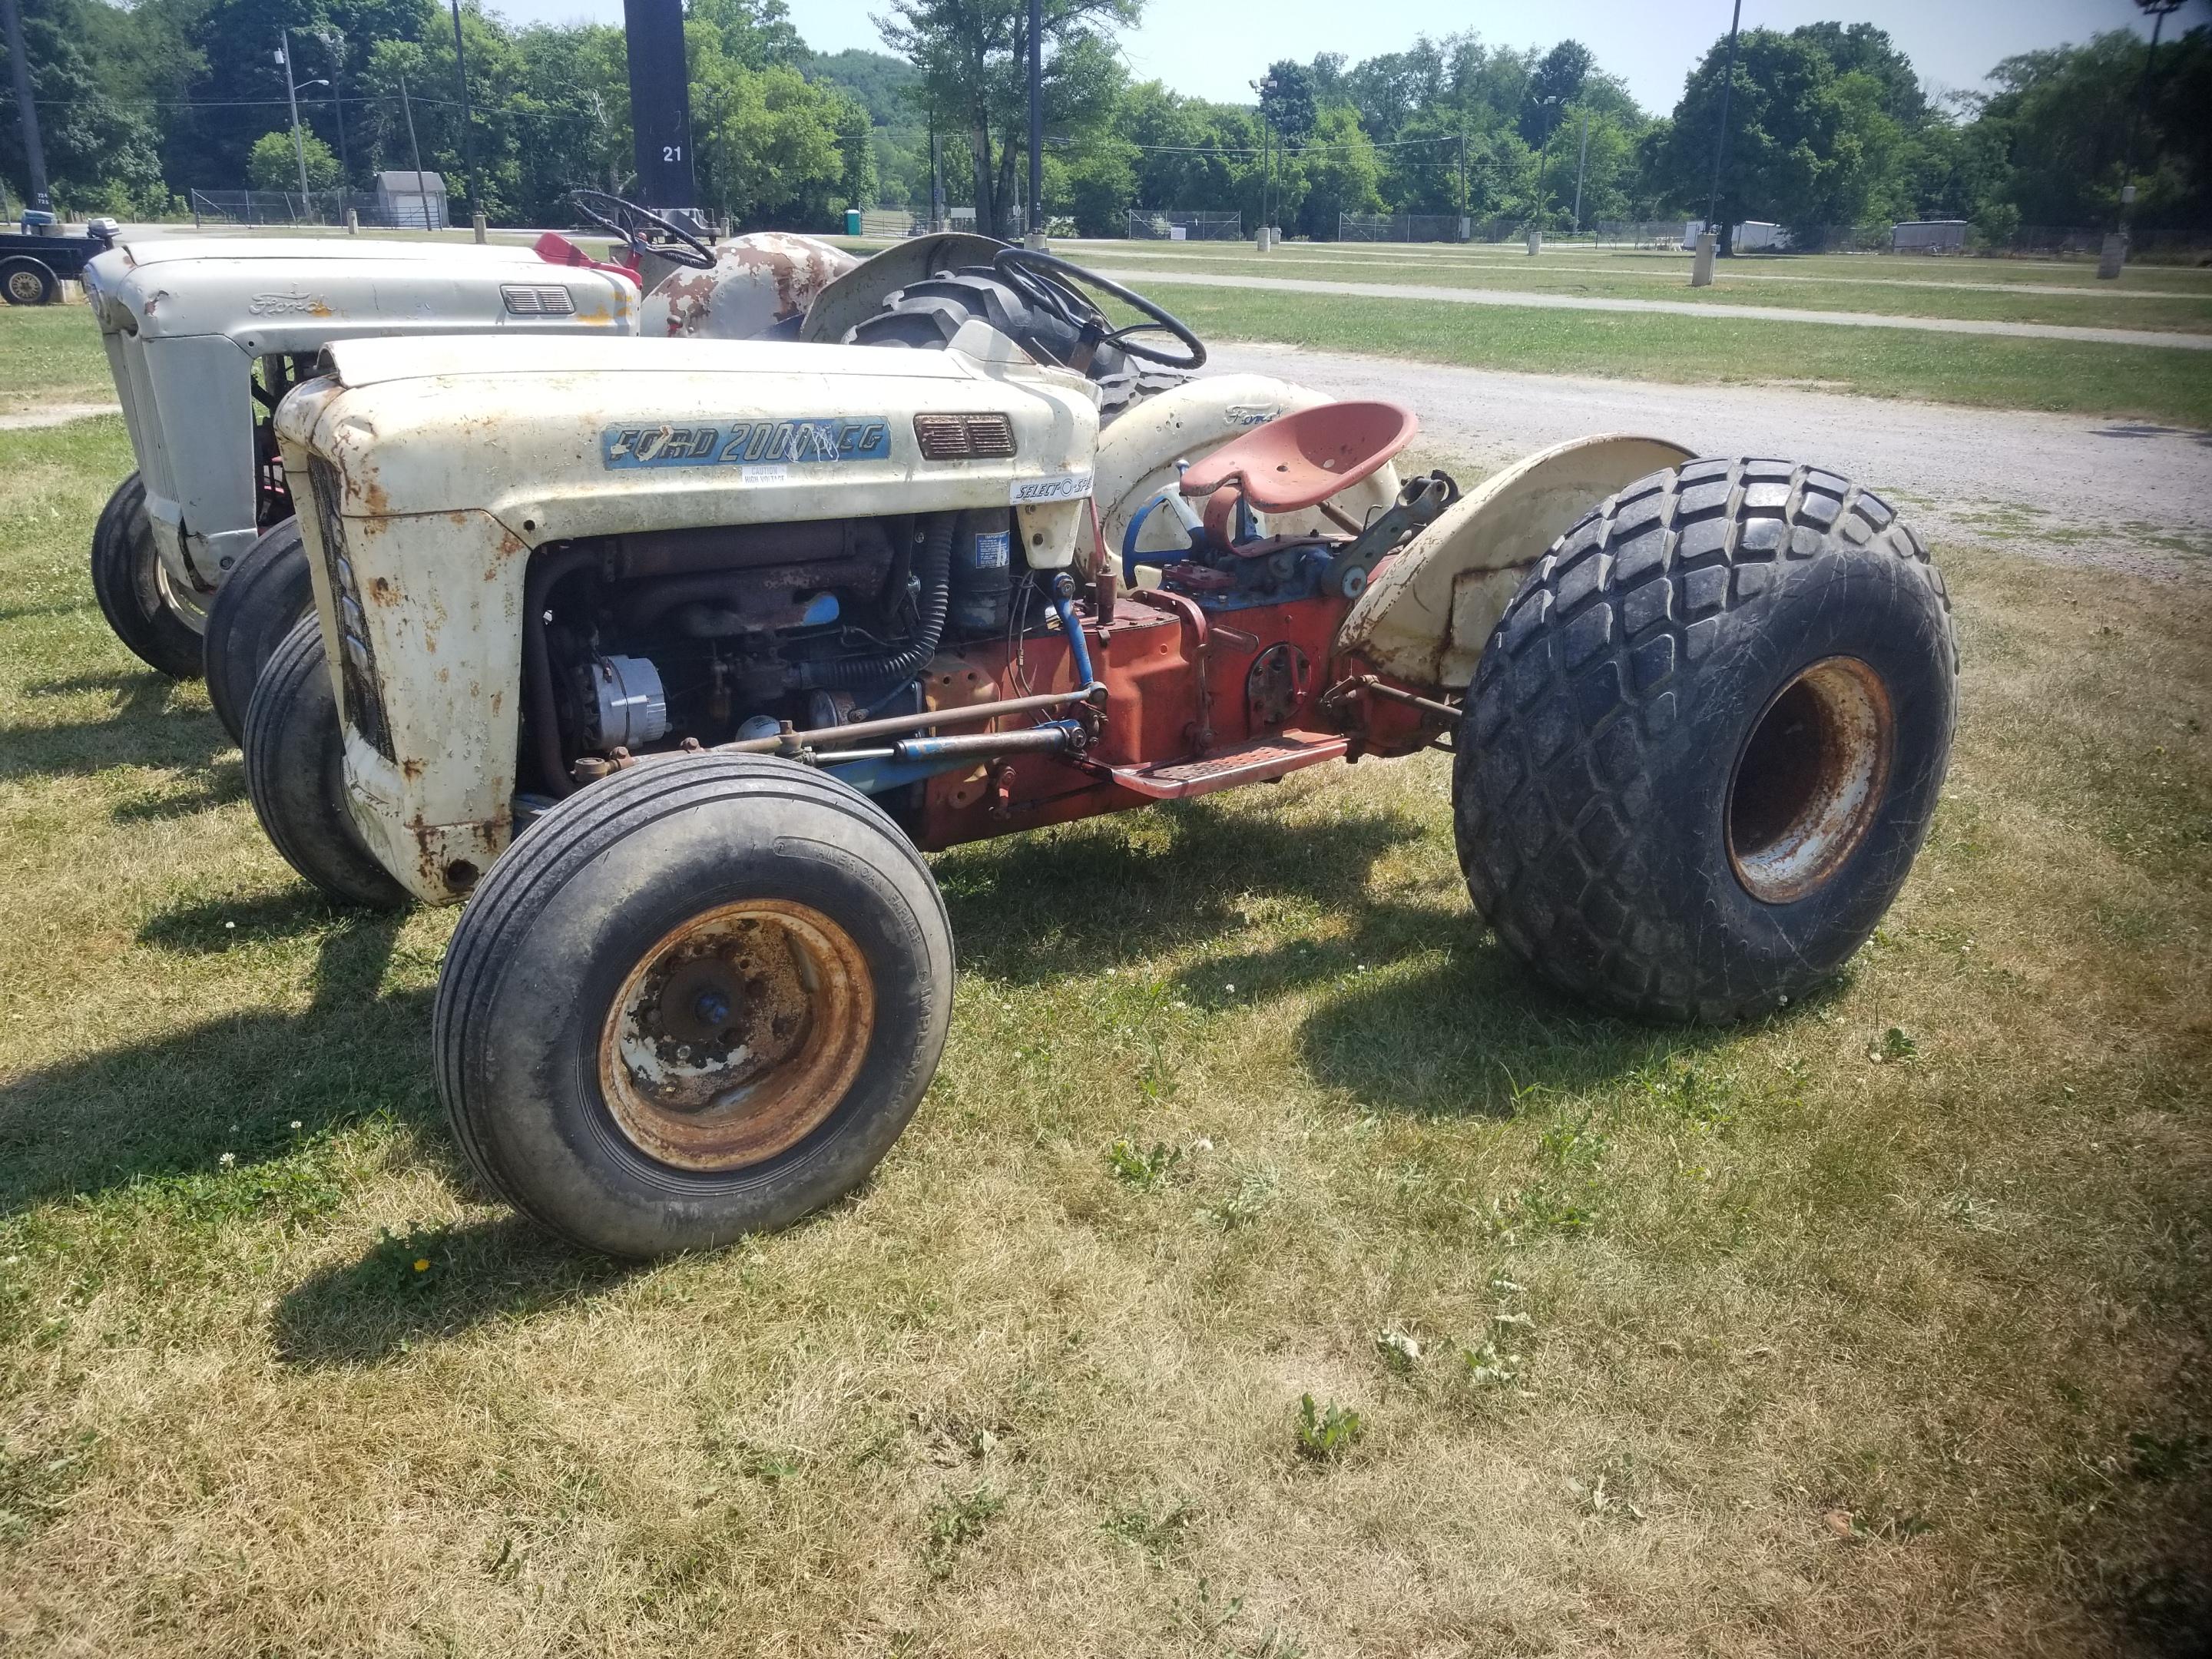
pixel 272 164
pixel 2060 122
pixel 1340 173
pixel 1806 145
pixel 100 156
pixel 973 55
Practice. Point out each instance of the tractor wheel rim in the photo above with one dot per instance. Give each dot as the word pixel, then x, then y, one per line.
pixel 1809 780
pixel 737 1035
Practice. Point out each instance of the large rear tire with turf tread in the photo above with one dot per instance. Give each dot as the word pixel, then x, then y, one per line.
pixel 128 580
pixel 260 602
pixel 294 749
pixel 696 1000
pixel 1706 740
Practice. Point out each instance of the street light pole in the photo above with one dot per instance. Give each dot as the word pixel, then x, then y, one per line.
pixel 292 97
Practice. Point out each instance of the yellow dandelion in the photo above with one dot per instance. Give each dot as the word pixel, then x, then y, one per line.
pixel 422 1264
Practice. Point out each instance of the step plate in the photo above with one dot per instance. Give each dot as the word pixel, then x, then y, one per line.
pixel 1252 763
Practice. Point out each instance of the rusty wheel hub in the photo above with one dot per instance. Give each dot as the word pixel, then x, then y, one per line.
pixel 1810 780
pixel 737 1035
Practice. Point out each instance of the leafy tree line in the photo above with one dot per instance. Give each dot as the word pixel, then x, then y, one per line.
pixel 1829 124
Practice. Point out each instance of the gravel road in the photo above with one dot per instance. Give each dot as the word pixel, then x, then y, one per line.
pixel 2067 487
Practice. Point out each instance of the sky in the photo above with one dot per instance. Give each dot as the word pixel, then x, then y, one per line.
pixel 1209 48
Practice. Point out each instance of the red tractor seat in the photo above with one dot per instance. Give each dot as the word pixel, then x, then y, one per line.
pixel 1300 460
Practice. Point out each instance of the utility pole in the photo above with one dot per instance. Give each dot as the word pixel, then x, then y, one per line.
pixel 936 176
pixel 1720 143
pixel 421 186
pixel 27 107
pixel 1035 237
pixel 1466 230
pixel 292 97
pixel 468 121
pixel 1580 166
pixel 336 42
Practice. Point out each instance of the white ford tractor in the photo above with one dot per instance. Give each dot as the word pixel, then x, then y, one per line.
pixel 740 629
pixel 205 335
pixel 195 561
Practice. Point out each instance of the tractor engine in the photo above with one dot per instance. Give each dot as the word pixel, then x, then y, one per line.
pixel 709 635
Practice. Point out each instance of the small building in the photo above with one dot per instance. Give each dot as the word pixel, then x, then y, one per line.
pixel 1748 236
pixel 408 200
pixel 1929 236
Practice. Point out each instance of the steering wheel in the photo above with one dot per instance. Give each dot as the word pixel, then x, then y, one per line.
pixel 1049 284
pixel 630 221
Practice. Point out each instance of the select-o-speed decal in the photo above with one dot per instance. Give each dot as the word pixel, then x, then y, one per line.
pixel 807 440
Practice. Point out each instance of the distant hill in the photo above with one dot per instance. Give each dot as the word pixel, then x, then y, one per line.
pixel 873 78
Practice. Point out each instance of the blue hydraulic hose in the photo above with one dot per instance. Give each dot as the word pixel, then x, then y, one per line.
pixel 1075 641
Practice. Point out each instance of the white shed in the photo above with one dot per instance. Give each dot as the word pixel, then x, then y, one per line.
pixel 409 200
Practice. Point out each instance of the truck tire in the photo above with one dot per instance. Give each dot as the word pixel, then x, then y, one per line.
pixel 697 929
pixel 259 602
pixel 295 751
pixel 1706 739
pixel 27 282
pixel 132 588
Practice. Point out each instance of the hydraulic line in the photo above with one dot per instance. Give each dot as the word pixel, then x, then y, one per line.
pixel 537 665
pixel 856 673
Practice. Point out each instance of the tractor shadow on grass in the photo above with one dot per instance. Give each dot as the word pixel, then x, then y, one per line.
pixel 167 1110
pixel 432 1285
pixel 145 728
pixel 1086 896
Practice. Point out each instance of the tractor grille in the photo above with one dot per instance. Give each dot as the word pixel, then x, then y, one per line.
pixel 527 300
pixel 364 702
pixel 964 437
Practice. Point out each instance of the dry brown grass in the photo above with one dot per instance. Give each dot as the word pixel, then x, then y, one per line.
pixel 1820 1352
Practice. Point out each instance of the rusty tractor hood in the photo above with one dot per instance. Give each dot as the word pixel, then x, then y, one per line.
pixel 297 294
pixel 570 437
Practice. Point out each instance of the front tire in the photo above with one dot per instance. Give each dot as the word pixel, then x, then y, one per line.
pixel 697 1000
pixel 260 602
pixel 132 588
pixel 294 749
pixel 1706 740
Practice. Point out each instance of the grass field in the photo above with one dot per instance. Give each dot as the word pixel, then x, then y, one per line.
pixel 51 354
pixel 1742 282
pixel 1880 1326
pixel 2063 376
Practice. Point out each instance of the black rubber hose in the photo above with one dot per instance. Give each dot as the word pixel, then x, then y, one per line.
pixel 538 665
pixel 852 673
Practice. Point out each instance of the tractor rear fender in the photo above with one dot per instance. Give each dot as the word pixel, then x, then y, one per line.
pixel 1429 612
pixel 859 293
pixel 1137 454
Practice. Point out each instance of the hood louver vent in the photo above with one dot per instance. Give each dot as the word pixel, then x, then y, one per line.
pixel 964 437
pixel 524 299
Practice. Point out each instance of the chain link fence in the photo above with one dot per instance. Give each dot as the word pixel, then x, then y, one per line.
pixel 1401 227
pixel 322 207
pixel 1637 233
pixel 1153 225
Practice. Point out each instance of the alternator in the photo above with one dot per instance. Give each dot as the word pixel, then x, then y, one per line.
pixel 628 706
